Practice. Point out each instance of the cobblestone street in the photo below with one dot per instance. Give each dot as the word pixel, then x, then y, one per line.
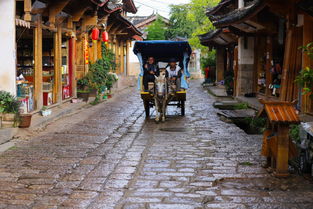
pixel 109 156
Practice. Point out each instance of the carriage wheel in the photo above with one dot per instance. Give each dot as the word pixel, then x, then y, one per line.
pixel 147 108
pixel 182 107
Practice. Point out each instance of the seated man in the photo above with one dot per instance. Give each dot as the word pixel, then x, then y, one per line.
pixel 151 69
pixel 174 73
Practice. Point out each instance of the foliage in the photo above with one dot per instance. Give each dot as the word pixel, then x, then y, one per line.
pixel 181 26
pixel 241 106
pixel 229 80
pixel 202 24
pixel 82 83
pixel 190 20
pixel 246 163
pixel 8 103
pixel 305 77
pixel 156 31
pixel 208 59
pixel 294 133
pixel 44 108
pixel 256 123
pixel 99 75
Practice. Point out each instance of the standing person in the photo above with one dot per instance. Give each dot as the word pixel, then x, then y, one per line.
pixel 151 69
pixel 174 73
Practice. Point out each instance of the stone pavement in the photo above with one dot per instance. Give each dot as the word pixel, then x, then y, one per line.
pixel 109 156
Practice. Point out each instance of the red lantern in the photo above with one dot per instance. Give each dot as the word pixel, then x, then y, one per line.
pixel 105 36
pixel 95 34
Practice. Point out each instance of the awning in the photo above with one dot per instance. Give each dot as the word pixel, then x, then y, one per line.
pixel 22 23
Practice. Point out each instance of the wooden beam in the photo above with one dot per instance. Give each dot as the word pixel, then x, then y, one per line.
pixel 55 9
pixel 91 20
pixel 79 13
pixel 110 26
pixel 70 24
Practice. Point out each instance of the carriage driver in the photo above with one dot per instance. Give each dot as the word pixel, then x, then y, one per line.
pixel 174 73
pixel 151 69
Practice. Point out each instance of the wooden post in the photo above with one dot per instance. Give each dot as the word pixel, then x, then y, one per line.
pixel 57 93
pixel 282 150
pixel 38 95
pixel 128 70
pixel 269 58
pixel 72 67
pixel 220 64
pixel 27 10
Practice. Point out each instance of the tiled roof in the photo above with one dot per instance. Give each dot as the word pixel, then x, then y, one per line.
pixel 238 14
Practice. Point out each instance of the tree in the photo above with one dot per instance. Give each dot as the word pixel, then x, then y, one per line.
pixel 179 24
pixel 197 14
pixel 156 31
pixel 190 20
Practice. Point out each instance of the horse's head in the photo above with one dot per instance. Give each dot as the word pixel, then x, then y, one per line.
pixel 160 85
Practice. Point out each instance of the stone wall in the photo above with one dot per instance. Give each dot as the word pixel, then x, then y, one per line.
pixel 245 79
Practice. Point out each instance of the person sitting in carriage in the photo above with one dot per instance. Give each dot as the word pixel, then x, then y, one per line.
pixel 151 70
pixel 174 73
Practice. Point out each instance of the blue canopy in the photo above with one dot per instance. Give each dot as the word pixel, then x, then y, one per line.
pixel 163 50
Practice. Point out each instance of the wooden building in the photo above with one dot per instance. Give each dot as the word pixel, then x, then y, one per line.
pixel 52 46
pixel 269 34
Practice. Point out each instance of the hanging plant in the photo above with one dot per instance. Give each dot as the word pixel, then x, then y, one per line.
pixel 305 77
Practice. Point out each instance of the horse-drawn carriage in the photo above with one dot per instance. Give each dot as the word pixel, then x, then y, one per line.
pixel 163 52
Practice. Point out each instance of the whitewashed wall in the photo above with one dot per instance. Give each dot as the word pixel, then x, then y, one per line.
pixel 7 46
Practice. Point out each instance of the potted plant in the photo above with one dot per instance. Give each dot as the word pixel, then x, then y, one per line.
pixel 25 120
pixel 9 107
pixel 101 74
pixel 82 90
pixel 45 111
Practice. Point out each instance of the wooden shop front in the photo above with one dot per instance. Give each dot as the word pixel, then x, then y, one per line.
pixel 46 50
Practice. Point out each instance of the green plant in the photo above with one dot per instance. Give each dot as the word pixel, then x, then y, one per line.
pixel 229 80
pixel 82 83
pixel 256 123
pixel 209 59
pixel 246 163
pixel 8 103
pixel 294 133
pixel 241 106
pixel 44 108
pixel 100 73
pixel 305 77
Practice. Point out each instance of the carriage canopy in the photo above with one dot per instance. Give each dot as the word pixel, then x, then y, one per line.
pixel 163 51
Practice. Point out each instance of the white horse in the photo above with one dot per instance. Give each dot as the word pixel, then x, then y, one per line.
pixel 161 97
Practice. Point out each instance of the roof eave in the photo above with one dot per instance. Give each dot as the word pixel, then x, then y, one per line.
pixel 246 13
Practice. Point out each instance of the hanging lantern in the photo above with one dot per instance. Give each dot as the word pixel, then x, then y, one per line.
pixel 95 34
pixel 105 36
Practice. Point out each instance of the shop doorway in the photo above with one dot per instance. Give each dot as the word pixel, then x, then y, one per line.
pixel 48 69
pixel 25 68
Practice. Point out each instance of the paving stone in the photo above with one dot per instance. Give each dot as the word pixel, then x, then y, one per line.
pixel 110 156
pixel 171 206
